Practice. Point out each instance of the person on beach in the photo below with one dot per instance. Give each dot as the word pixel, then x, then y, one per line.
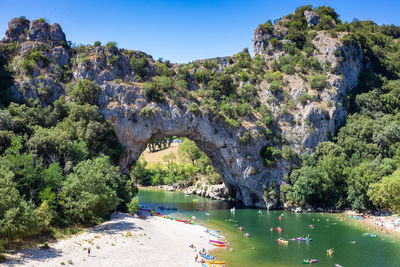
pixel 196 257
pixel 88 252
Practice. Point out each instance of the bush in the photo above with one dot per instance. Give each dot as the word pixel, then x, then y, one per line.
pixel 318 82
pixel 222 83
pixel 274 86
pixel 275 42
pixel 194 108
pixel 133 206
pixel 85 92
pixel 288 69
pixel 154 90
pixel 201 76
pixel 111 45
pixel 139 66
pixel 113 59
pixel 97 44
pixel 270 155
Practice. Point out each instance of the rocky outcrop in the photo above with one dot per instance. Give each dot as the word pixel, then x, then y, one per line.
pixel 219 191
pixel 312 18
pixel 137 120
pixel 21 29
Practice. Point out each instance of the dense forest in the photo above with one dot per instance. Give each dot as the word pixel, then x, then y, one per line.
pixel 59 160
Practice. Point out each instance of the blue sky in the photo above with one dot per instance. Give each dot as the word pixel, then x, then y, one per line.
pixel 180 31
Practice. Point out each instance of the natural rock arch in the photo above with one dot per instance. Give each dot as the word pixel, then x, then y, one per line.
pixel 240 165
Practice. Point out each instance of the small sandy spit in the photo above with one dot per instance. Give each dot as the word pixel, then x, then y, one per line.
pixel 124 240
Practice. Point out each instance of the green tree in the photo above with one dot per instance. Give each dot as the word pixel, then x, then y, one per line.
pixel 189 150
pixel 386 193
pixel 18 218
pixel 89 191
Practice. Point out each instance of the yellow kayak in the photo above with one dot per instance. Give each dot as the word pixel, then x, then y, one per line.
pixel 215 262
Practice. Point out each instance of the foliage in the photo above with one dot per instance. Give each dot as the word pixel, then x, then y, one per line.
pixel 88 191
pixel 318 82
pixel 386 193
pixel 189 150
pixel 85 92
pixel 140 66
pixel 133 206
pixel 270 155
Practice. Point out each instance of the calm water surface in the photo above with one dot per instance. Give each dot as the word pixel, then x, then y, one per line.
pixel 262 248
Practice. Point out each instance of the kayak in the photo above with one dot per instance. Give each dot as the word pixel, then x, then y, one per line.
pixel 283 241
pixel 304 239
pixel 218 245
pixel 330 251
pixel 218 242
pixel 207 256
pixel 308 261
pixel 215 262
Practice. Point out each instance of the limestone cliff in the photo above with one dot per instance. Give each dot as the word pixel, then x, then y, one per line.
pixel 42 63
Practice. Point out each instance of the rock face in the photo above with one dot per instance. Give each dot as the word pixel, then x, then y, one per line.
pixel 219 191
pixel 311 17
pixel 137 120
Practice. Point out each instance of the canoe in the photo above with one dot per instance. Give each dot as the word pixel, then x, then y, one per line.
pixel 218 245
pixel 218 242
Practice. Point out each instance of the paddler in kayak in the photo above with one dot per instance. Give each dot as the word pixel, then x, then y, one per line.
pixel 240 228
pixel 259 212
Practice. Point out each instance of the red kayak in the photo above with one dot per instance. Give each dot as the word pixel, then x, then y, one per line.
pixel 218 242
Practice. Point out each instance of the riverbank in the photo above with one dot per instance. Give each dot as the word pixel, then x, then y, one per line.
pixel 386 225
pixel 123 240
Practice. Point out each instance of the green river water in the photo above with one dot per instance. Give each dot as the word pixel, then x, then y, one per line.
pixel 262 248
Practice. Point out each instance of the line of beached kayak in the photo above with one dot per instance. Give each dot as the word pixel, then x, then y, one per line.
pixel 209 260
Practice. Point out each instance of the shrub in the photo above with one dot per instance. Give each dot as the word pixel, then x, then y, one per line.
pixel 85 91
pixel 222 83
pixel 268 27
pixel 201 76
pixel 111 45
pixel 270 155
pixel 318 82
pixel 113 59
pixel 232 123
pixel 347 39
pixel 194 108
pixel 97 43
pixel 154 89
pixel 139 66
pixel 133 206
pixel 266 115
pixel 274 86
pixel 304 97
pixel 210 64
pixel 275 42
pixel 244 138
pixel 288 68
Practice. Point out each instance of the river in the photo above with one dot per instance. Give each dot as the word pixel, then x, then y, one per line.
pixel 262 248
